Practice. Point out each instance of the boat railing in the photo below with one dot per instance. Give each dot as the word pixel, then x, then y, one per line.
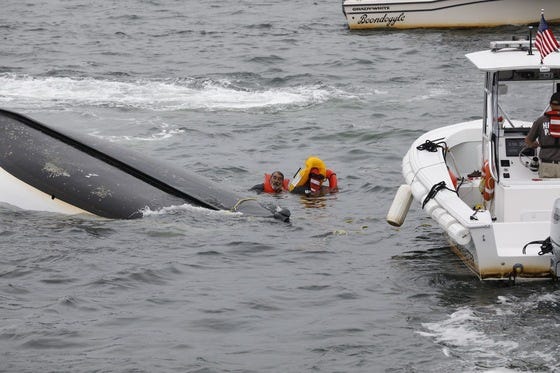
pixel 522 45
pixel 505 115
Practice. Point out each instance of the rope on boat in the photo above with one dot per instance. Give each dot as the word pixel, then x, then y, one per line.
pixel 473 216
pixel 433 145
pixel 435 189
pixel 546 246
pixel 234 208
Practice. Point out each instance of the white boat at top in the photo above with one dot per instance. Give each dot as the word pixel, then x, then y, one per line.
pixel 370 14
pixel 501 235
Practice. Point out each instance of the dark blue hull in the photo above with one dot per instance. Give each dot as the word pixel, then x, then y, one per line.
pixel 103 179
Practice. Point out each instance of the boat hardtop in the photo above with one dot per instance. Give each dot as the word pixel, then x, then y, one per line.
pixel 513 55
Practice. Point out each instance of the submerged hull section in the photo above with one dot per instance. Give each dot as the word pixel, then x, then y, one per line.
pixel 75 173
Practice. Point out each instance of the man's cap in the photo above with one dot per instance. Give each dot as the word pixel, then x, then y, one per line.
pixel 555 99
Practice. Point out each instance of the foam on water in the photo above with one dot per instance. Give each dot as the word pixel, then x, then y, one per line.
pixel 189 94
pixel 165 132
pixel 186 207
pixel 493 333
pixel 464 329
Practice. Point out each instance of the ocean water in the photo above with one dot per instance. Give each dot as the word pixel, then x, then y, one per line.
pixel 232 90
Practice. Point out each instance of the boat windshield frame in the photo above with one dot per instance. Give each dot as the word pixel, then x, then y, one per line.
pixel 495 118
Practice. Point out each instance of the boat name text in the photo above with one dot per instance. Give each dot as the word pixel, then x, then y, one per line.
pixel 389 20
pixel 370 8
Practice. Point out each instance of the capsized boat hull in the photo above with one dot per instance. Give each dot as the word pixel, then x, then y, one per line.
pixel 489 242
pixel 44 169
pixel 372 14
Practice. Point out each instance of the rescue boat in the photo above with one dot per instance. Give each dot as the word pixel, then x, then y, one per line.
pixel 403 14
pixel 44 169
pixel 479 182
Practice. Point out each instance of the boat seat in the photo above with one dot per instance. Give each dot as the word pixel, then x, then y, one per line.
pixel 513 236
pixel 530 200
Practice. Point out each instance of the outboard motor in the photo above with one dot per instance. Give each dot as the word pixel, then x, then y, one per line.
pixel 555 238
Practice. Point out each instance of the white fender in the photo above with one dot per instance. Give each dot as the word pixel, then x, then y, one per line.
pixel 399 207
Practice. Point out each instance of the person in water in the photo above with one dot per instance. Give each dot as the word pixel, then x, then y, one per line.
pixel 274 183
pixel 545 132
pixel 309 180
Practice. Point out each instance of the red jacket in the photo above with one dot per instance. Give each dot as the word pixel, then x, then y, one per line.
pixel 268 187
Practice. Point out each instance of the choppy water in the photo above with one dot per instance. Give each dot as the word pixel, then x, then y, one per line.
pixel 232 90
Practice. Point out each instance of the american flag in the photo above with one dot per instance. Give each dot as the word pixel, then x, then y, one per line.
pixel 545 41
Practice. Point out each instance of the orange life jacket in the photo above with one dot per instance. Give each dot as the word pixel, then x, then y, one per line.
pixel 554 123
pixel 315 185
pixel 268 187
pixel 333 181
pixel 489 183
pixel 452 177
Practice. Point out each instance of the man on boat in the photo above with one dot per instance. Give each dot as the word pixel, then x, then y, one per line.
pixel 545 132
pixel 274 183
pixel 309 180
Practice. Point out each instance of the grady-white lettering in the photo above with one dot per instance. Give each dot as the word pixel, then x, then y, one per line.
pixel 370 8
pixel 390 21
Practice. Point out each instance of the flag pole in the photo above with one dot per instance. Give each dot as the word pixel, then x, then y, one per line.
pixel 542 16
pixel 530 40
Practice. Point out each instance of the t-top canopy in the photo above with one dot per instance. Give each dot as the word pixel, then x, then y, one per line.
pixel 512 55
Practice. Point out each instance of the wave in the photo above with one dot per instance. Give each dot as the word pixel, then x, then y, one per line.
pixel 29 92
pixel 497 336
pixel 186 207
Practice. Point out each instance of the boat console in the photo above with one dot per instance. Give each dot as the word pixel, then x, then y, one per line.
pixel 518 178
pixel 514 159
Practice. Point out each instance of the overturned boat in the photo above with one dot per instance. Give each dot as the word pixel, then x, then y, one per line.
pixel 43 169
pixel 374 14
pixel 480 183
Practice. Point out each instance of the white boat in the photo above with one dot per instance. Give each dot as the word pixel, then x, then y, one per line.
pixel 504 236
pixel 371 14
